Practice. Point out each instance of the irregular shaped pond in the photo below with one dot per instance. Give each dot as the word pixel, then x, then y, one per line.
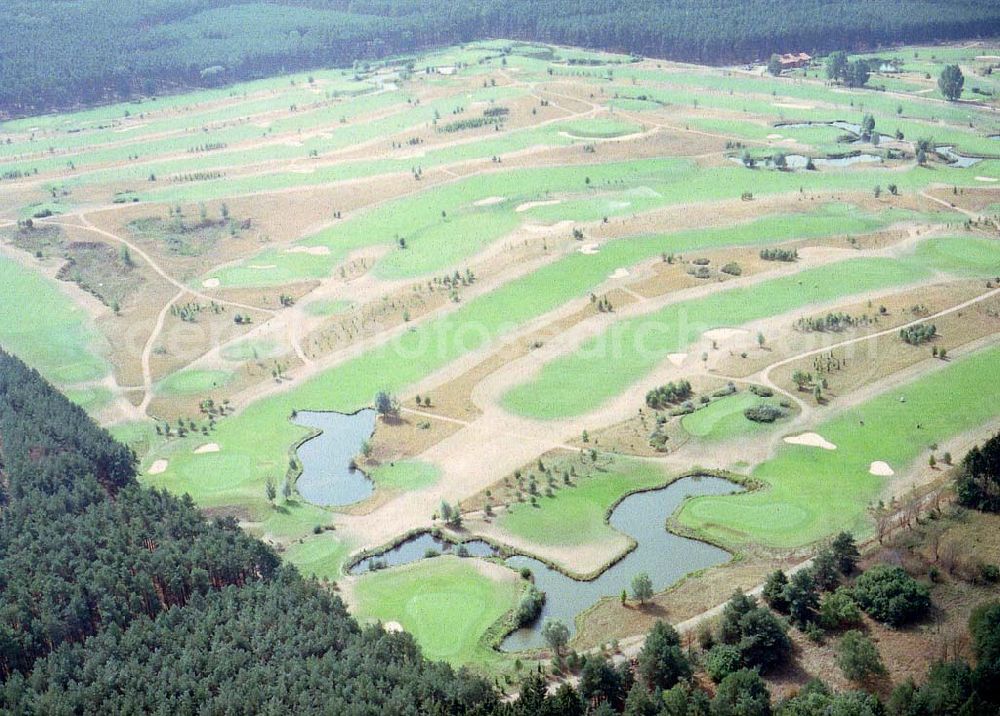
pixel 666 557
pixel 955 159
pixel 327 478
pixel 416 548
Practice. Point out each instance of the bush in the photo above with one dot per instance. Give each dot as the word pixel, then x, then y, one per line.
pixel 774 591
pixel 742 693
pixel 661 662
pixel 763 413
pixel 888 594
pixel 764 642
pixel 978 482
pixel 858 658
pixel 529 607
pixel 732 268
pixel 839 611
pixel 721 661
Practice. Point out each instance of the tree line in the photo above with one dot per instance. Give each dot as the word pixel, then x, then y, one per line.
pixel 94 51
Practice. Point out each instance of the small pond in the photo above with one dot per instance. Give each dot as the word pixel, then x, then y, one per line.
pixel 665 556
pixel 327 478
pixel 800 161
pixel 957 160
pixel 417 547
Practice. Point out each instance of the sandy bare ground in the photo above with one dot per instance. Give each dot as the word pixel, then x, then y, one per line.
pixel 810 440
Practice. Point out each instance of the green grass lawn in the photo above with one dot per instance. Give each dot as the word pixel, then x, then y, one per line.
pixel 187 382
pixel 250 350
pixel 811 493
pixel 326 307
pixel 723 419
pixel 321 556
pixel 605 365
pixel 578 515
pixel 42 326
pixel 599 128
pixel 405 475
pixel 446 603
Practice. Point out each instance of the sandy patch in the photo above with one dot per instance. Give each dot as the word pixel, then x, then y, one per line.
pixel 311 250
pixel 564 225
pixel 793 105
pixel 293 143
pixel 774 136
pixel 528 205
pixel 210 283
pixel 157 468
pixel 262 125
pixel 924 91
pixel 811 440
pixel 677 358
pixel 818 253
pixel 723 334
pixel 206 448
pixel 490 201
pixel 881 469
pixel 392 627
pixel 620 273
pixel 990 179
pixel 261 267
pixel 304 170
pixel 588 249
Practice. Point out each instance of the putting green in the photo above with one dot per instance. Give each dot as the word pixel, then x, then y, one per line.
pixel 723 419
pixel 192 381
pixel 447 603
pixel 811 493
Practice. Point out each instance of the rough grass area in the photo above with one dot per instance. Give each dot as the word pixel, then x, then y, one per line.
pixel 723 419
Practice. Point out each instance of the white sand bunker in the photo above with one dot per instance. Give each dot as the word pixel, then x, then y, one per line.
pixel 881 469
pixel 262 267
pixel 793 105
pixel 490 201
pixel 210 283
pixel 677 358
pixel 207 447
pixel 528 205
pixel 990 179
pixel 811 440
pixel 620 273
pixel 722 334
pixel 589 249
pixel 774 136
pixel 157 468
pixel 392 627
pixel 311 250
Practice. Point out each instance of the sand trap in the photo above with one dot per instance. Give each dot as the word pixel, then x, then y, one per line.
pixel 774 136
pixel 990 179
pixel 526 206
pixel 207 447
pixel 677 358
pixel 588 249
pixel 262 267
pixel 881 469
pixel 811 440
pixel 210 283
pixel 392 627
pixel 620 273
pixel 157 468
pixel 311 250
pixel 722 334
pixel 793 105
pixel 924 91
pixel 490 201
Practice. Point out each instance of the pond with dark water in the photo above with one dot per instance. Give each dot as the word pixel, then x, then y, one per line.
pixel 328 477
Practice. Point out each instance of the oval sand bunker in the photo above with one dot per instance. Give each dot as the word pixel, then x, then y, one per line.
pixel 881 469
pixel 157 468
pixel 206 448
pixel 811 440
